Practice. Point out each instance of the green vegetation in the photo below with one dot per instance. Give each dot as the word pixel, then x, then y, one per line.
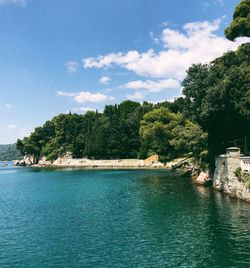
pixel 127 130
pixel 243 176
pixel 218 98
pixel 170 134
pixel 9 152
pixel 240 26
pixel 214 110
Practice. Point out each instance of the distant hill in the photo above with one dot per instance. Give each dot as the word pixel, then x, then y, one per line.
pixel 9 152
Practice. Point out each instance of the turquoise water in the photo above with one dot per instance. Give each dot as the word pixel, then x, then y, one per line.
pixel 6 164
pixel 102 218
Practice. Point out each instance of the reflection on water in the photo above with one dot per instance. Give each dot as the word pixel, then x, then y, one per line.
pixel 120 218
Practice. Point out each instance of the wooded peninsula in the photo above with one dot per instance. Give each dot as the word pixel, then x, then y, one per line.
pixel 212 113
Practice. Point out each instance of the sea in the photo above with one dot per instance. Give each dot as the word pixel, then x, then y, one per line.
pixel 118 218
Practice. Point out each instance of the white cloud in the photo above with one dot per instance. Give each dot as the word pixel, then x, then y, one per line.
pixel 71 66
pixel 21 3
pixel 84 96
pixel 196 43
pixel 155 39
pixel 136 96
pixel 105 80
pixel 12 126
pixel 152 86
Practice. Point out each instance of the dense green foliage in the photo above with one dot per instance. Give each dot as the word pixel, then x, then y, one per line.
pixel 121 131
pixel 170 134
pixel 9 152
pixel 218 97
pixel 240 26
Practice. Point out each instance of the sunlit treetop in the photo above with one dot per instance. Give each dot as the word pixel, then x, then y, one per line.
pixel 240 26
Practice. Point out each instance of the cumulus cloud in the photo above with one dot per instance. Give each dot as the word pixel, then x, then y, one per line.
pixel 84 96
pixel 136 96
pixel 152 86
pixel 105 80
pixel 196 43
pixel 21 3
pixel 71 66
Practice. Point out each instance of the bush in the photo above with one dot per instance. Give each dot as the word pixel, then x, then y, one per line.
pixel 243 176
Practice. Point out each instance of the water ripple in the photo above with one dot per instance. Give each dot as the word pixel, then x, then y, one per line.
pixel 118 219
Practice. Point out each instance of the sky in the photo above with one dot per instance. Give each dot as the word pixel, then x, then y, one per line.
pixel 79 55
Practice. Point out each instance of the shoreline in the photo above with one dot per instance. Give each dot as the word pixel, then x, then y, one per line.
pixel 151 163
pixel 106 168
pixel 97 167
pixel 180 165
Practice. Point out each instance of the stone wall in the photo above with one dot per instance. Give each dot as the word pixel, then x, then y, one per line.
pixel 224 176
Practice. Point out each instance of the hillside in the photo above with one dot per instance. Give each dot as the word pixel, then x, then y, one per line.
pixel 9 152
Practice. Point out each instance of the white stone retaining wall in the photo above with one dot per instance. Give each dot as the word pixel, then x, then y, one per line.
pixel 224 176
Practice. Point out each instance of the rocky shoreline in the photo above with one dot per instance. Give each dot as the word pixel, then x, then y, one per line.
pixel 67 161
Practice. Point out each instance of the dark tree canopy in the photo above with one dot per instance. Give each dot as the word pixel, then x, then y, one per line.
pixel 240 26
pixel 218 97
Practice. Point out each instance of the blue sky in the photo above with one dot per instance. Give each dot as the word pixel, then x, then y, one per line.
pixel 77 55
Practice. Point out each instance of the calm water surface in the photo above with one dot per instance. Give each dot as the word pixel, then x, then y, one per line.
pixel 119 218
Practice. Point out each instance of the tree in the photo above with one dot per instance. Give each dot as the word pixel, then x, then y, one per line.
pixel 179 105
pixel 218 97
pixel 240 26
pixel 115 133
pixel 170 134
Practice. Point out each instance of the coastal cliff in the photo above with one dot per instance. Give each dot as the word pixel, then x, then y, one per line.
pixel 231 174
pixel 28 160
